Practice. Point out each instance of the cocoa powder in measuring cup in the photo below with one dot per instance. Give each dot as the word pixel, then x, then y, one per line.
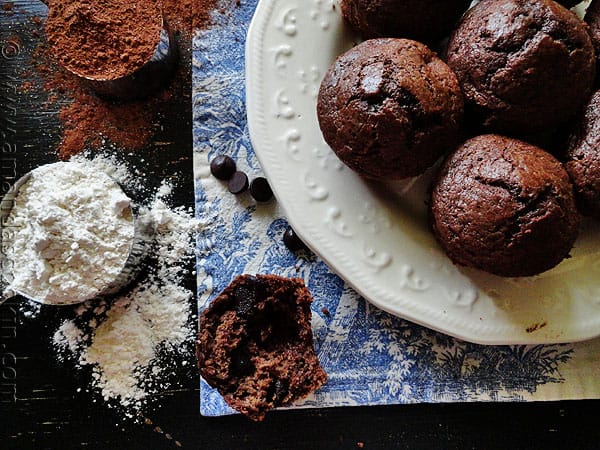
pixel 103 39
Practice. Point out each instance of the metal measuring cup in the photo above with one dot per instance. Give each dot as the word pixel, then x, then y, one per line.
pixel 145 80
pixel 130 269
pixel 148 78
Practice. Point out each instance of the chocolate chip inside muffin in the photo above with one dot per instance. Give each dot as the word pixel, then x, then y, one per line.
pixel 583 159
pixel 504 206
pixel 422 20
pixel 389 108
pixel 523 65
pixel 255 344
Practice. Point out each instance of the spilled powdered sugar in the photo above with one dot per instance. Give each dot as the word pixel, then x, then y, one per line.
pixel 120 338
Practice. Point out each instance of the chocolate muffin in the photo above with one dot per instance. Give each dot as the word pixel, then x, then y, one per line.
pixel 592 17
pixel 583 159
pixel 423 20
pixel 255 344
pixel 523 65
pixel 389 108
pixel 504 206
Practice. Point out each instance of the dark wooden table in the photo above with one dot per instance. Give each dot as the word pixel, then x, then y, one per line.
pixel 44 404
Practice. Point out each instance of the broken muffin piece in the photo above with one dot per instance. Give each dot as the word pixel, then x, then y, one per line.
pixel 255 344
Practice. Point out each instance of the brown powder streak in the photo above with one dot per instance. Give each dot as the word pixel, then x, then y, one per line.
pixel 89 122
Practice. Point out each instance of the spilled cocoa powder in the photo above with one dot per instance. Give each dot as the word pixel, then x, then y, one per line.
pixel 8 7
pixel 89 122
pixel 103 39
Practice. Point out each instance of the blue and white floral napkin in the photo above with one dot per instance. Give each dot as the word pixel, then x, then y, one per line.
pixel 371 357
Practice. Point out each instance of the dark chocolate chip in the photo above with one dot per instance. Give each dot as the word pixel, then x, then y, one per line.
pixel 251 279
pixel 238 182
pixel 292 241
pixel 248 294
pixel 245 292
pixel 260 190
pixel 241 365
pixel 222 167
pixel 245 297
pixel 260 286
pixel 277 392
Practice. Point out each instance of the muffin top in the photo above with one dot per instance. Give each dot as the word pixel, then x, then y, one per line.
pixel 504 206
pixel 389 108
pixel 583 159
pixel 523 65
pixel 423 20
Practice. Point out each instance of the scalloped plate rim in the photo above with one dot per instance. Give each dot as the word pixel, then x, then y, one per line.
pixel 479 333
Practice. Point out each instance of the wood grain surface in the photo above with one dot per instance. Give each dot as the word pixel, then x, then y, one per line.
pixel 45 404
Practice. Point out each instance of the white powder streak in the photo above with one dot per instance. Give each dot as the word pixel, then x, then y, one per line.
pixel 69 337
pixel 157 313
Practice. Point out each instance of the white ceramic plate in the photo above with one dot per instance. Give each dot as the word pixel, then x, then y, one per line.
pixel 376 237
